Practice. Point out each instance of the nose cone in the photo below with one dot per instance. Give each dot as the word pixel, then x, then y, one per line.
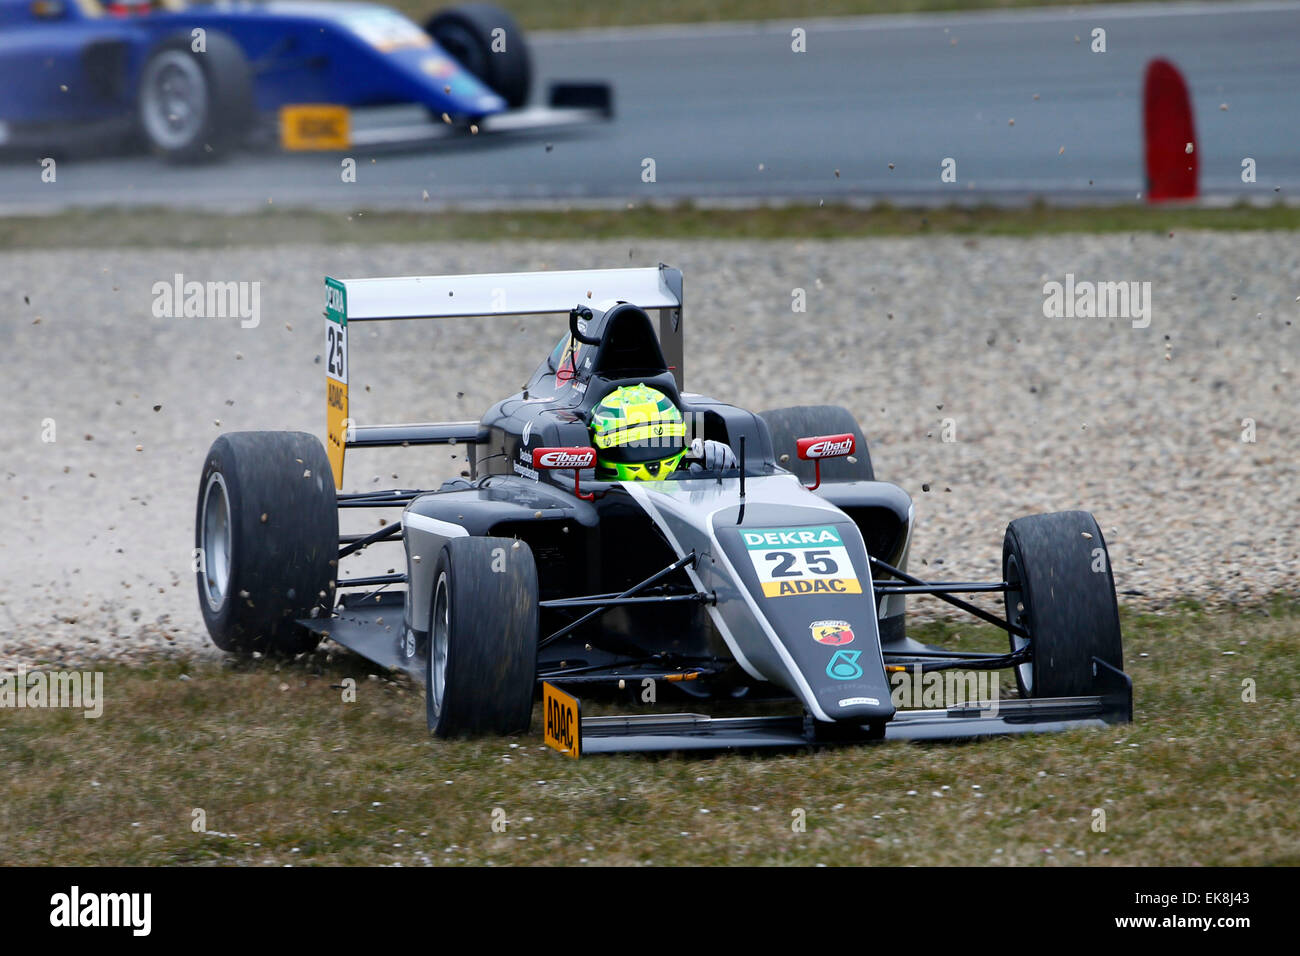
pixel 450 88
pixel 805 569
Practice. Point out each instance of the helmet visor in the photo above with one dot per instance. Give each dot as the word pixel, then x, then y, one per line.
pixel 642 442
pixel 645 471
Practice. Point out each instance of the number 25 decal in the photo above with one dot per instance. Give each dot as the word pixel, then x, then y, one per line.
pixel 334 361
pixel 815 562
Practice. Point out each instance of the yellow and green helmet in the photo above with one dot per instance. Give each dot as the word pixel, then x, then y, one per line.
pixel 639 434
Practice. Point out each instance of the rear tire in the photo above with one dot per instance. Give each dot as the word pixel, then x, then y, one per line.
pixel 195 106
pixel 804 421
pixel 466 31
pixel 268 534
pixel 1066 601
pixel 482 655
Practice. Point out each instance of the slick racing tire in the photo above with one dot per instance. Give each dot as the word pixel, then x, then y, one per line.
pixel 466 32
pixel 268 537
pixel 482 655
pixel 803 421
pixel 1064 596
pixel 193 106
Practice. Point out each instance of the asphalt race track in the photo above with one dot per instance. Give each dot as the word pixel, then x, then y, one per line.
pixel 730 112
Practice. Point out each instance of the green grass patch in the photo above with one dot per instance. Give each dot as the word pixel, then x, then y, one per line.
pixel 286 772
pixel 548 15
pixel 152 228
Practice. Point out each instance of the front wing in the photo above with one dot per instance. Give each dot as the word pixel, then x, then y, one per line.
pixel 364 630
pixel 1113 704
pixel 317 127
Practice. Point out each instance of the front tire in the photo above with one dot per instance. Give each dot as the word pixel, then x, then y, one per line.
pixel 268 538
pixel 482 654
pixel 1065 600
pixel 195 106
pixel 467 33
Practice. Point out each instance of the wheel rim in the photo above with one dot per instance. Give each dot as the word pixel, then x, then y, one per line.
pixel 1018 614
pixel 438 642
pixel 173 99
pixel 215 541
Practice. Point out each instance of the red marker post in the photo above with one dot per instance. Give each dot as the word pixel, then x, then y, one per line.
pixel 1172 164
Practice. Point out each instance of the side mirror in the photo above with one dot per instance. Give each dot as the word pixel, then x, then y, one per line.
pixel 816 448
pixel 579 316
pixel 576 457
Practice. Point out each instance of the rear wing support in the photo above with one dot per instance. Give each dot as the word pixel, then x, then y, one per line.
pixel 348 301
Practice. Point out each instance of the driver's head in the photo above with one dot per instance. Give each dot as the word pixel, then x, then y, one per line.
pixel 639 435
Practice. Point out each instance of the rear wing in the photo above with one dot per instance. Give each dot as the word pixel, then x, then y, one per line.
pixel 348 301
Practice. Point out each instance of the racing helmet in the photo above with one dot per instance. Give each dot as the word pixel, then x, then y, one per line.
pixel 639 435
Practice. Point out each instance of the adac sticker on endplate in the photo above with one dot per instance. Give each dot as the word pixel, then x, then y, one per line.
pixel 562 713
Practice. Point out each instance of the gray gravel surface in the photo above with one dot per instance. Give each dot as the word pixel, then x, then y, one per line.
pixel 1141 426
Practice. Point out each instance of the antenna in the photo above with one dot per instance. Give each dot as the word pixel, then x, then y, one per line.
pixel 741 516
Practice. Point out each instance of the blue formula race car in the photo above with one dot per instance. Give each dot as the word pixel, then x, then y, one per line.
pixel 193 81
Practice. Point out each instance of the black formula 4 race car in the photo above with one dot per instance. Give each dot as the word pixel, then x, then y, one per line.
pixel 782 579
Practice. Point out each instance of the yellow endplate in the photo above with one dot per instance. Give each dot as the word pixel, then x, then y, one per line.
pixel 336 427
pixel 315 126
pixel 562 715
